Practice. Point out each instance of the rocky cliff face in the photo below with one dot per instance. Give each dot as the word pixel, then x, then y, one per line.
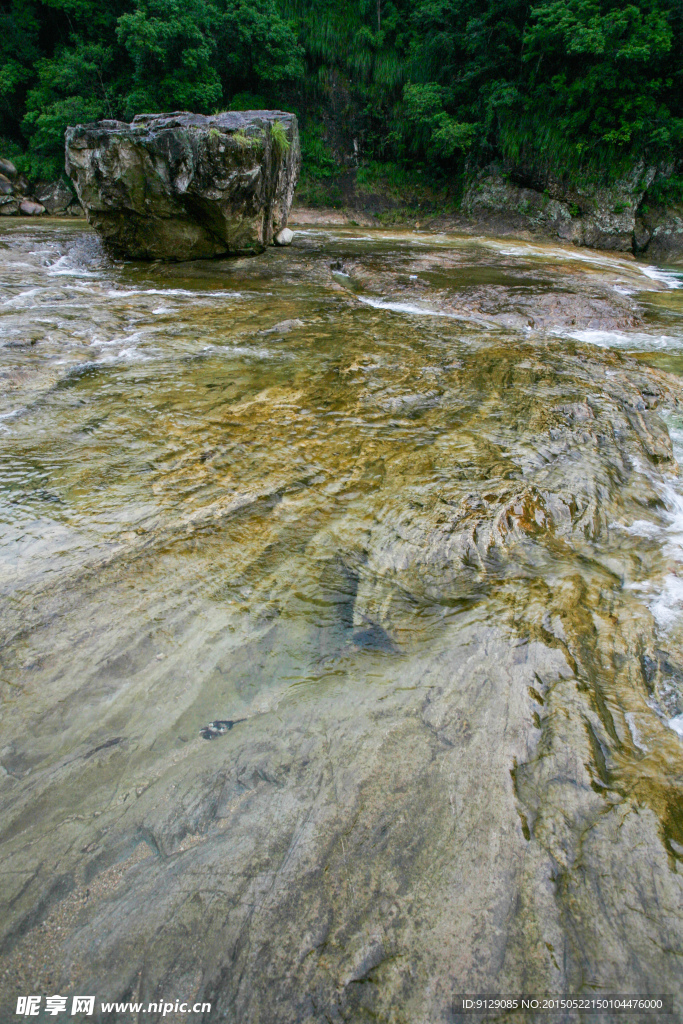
pixel 183 186
pixel 659 230
pixel 615 217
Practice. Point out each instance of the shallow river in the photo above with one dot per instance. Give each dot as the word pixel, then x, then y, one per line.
pixel 341 646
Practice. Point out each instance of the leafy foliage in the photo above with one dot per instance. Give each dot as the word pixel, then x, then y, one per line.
pixel 279 136
pixel 172 49
pixel 586 86
pixel 317 158
pixel 427 127
pixel 602 73
pixel 68 61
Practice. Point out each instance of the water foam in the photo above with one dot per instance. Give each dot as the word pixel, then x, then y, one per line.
pixel 625 340
pixel 405 307
pixel 10 416
pixel 63 267
pixel 635 732
pixel 122 292
pixel 670 278
pixel 666 603
pixel 22 297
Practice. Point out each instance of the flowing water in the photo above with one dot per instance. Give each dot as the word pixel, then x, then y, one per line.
pixel 341 649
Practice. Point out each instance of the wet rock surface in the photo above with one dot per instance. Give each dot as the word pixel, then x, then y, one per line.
pixel 7 168
pixel 558 300
pixel 19 197
pixel 31 209
pixel 9 206
pixel 660 233
pixel 403 570
pixel 607 217
pixel 57 199
pixel 183 186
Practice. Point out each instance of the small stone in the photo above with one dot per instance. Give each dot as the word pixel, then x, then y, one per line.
pixel 8 168
pixel 6 187
pixel 284 237
pixel 9 207
pixel 283 327
pixel 218 728
pixel 31 209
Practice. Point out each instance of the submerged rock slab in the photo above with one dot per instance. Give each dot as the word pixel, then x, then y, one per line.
pixel 182 186
pixel 365 710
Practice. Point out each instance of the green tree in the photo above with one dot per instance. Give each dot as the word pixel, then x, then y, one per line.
pixel 19 51
pixel 598 76
pixel 256 48
pixel 427 128
pixel 577 85
pixel 71 88
pixel 172 47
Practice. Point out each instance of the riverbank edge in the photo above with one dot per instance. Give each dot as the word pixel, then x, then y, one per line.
pixel 624 217
pixel 495 225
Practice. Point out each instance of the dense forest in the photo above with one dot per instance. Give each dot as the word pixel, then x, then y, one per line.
pixel 583 86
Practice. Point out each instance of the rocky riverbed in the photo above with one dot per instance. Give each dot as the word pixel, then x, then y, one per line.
pixel 342 630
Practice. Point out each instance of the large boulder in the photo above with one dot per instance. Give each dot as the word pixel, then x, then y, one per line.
pixel 660 232
pixel 7 168
pixel 9 206
pixel 502 206
pixel 30 208
pixel 183 186
pixel 55 196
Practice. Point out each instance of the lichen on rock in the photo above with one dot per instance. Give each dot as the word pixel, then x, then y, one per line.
pixel 183 186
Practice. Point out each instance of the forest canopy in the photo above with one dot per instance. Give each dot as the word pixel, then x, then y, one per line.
pixel 580 84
